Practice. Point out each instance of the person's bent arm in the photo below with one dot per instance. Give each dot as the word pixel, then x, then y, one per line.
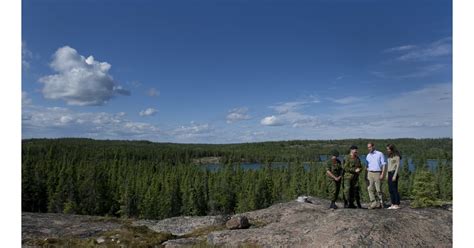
pixel 397 165
pixel 348 168
pixel 329 173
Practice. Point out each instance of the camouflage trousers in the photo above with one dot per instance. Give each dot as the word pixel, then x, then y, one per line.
pixel 351 190
pixel 333 189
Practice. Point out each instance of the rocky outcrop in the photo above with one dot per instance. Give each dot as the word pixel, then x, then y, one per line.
pixel 295 224
pixel 290 224
pixel 237 222
pixel 183 225
pixel 36 225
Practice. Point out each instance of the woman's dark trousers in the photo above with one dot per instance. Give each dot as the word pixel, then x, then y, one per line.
pixel 393 188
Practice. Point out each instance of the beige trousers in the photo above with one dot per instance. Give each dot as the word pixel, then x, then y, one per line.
pixel 374 182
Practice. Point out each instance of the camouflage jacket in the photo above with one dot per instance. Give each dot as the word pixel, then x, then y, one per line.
pixel 335 167
pixel 350 165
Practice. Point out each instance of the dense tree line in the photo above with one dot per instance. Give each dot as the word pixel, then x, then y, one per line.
pixel 159 180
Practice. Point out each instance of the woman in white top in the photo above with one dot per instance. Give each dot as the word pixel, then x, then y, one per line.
pixel 393 168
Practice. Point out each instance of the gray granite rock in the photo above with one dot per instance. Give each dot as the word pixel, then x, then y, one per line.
pixel 237 222
pixel 290 224
pixel 182 225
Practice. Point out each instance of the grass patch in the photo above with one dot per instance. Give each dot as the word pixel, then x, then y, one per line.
pixel 128 236
pixel 136 236
pixel 204 231
pixel 111 219
pixel 61 242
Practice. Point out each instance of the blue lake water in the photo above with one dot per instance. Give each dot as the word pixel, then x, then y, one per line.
pixel 432 163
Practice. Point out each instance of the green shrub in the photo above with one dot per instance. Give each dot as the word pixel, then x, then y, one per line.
pixel 424 190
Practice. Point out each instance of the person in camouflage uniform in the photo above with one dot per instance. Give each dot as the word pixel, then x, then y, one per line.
pixel 352 168
pixel 334 173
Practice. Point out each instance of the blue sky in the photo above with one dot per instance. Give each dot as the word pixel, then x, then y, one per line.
pixel 236 71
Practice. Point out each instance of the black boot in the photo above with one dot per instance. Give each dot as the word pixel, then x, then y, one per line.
pixel 351 205
pixel 335 206
pixel 357 198
pixel 345 204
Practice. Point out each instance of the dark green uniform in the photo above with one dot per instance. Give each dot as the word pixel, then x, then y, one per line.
pixel 335 167
pixel 351 178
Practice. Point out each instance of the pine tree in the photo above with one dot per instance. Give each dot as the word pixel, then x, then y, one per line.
pixel 404 179
pixel 424 190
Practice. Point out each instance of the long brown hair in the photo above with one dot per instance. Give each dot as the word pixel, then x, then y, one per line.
pixel 394 151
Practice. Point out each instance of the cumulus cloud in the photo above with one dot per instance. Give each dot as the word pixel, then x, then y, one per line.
pixel 153 92
pixel 148 112
pixel 289 113
pixel 237 114
pixel 271 121
pixel 78 80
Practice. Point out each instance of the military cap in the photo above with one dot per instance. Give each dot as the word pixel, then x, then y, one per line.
pixel 335 153
pixel 353 147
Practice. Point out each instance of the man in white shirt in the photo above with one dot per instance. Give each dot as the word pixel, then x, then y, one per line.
pixel 376 170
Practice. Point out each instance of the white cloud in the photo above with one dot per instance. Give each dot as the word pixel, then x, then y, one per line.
pixel 425 112
pixel 442 47
pixel 237 114
pixel 79 81
pixel 418 72
pixel 120 90
pixel 400 48
pixel 148 112
pixel 433 100
pixel 25 99
pixel 271 121
pixel 62 122
pixel 153 92
pixel 247 136
pixel 192 131
pixel 288 113
pixel 26 56
pixel 289 106
pixel 347 100
pixel 307 121
pixel 423 71
pixel 134 84
pixel 141 128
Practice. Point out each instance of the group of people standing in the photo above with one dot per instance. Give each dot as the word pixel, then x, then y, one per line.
pixel 346 175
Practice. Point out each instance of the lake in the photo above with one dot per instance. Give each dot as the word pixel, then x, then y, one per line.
pixel 432 163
